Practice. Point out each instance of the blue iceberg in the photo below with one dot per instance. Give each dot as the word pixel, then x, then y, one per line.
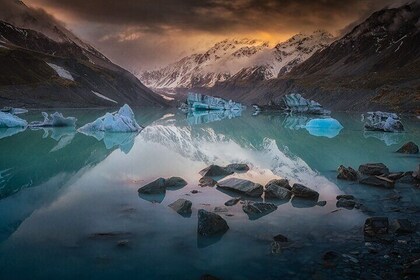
pixel 327 127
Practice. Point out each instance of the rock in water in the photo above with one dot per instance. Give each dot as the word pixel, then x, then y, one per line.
pixel 345 203
pixel 256 210
pixel 232 201
pixel 237 167
pixel 207 182
pixel 182 207
pixel 54 120
pixel 242 186
pixel 348 174
pixel 404 226
pixel 345 196
pixel 284 183
pixel 409 148
pixel 373 169
pixel 376 226
pixel 273 190
pixel 215 171
pixel 304 192
pixel 121 121
pixel 210 224
pixel 377 181
pixel 175 182
pixel 9 120
pixel 383 121
pixel 155 187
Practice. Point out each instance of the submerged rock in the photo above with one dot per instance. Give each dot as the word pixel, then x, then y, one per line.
pixel 375 226
pixel 295 103
pixel 383 121
pixel 181 206
pixel 215 171
pixel 242 186
pixel 378 181
pixel 232 202
pixel 207 182
pixel 373 169
pixel 155 187
pixel 275 190
pixel 8 120
pixel 210 224
pixel 348 173
pixel 256 210
pixel 409 148
pixel 304 192
pixel 121 121
pixel 54 120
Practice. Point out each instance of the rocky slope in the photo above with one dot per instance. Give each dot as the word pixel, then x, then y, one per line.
pixel 42 64
pixel 237 59
pixel 374 66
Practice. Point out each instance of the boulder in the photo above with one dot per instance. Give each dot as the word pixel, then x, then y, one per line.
pixel 232 201
pixel 408 178
pixel 348 173
pixel 210 224
pixel 395 176
pixel 215 171
pixel 280 182
pixel 256 210
pixel 375 226
pixel 175 182
pixel 304 192
pixel 404 226
pixel 219 209
pixel 321 203
pixel 238 167
pixel 345 203
pixel 345 196
pixel 155 187
pixel 378 181
pixel 207 182
pixel 409 148
pixel 273 190
pixel 373 169
pixel 181 206
pixel 241 186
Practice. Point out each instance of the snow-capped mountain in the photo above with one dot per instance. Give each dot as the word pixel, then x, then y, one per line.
pixel 44 64
pixel 237 58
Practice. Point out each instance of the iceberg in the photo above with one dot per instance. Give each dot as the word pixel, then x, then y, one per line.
pixel 14 111
pixel 196 101
pixel 10 120
pixel 121 121
pixel 54 120
pixel 296 103
pixel 383 121
pixel 327 127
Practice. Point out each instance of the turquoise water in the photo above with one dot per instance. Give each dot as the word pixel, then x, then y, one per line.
pixel 67 200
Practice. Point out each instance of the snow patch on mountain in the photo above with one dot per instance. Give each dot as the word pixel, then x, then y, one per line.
pixel 63 73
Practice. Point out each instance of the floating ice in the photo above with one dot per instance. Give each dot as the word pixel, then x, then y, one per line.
pixel 196 101
pixel 10 120
pixel 328 127
pixel 383 121
pixel 14 111
pixel 121 121
pixel 295 103
pixel 54 120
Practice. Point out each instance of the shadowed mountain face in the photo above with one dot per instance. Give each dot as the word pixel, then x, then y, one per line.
pixel 375 66
pixel 44 65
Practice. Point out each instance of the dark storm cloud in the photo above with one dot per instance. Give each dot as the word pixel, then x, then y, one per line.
pixel 216 15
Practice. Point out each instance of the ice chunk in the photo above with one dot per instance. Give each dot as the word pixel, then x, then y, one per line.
pixel 328 127
pixel 14 111
pixel 54 120
pixel 383 121
pixel 121 121
pixel 63 73
pixel 196 101
pixel 10 120
pixel 296 103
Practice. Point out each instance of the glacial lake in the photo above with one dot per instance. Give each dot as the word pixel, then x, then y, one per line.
pixel 69 206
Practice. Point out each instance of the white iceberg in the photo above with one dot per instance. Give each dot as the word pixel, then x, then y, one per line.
pixel 54 120
pixel 196 101
pixel 121 121
pixel 328 127
pixel 10 120
pixel 383 121
pixel 296 103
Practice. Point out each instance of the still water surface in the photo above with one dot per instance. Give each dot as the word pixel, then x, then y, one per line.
pixel 67 200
